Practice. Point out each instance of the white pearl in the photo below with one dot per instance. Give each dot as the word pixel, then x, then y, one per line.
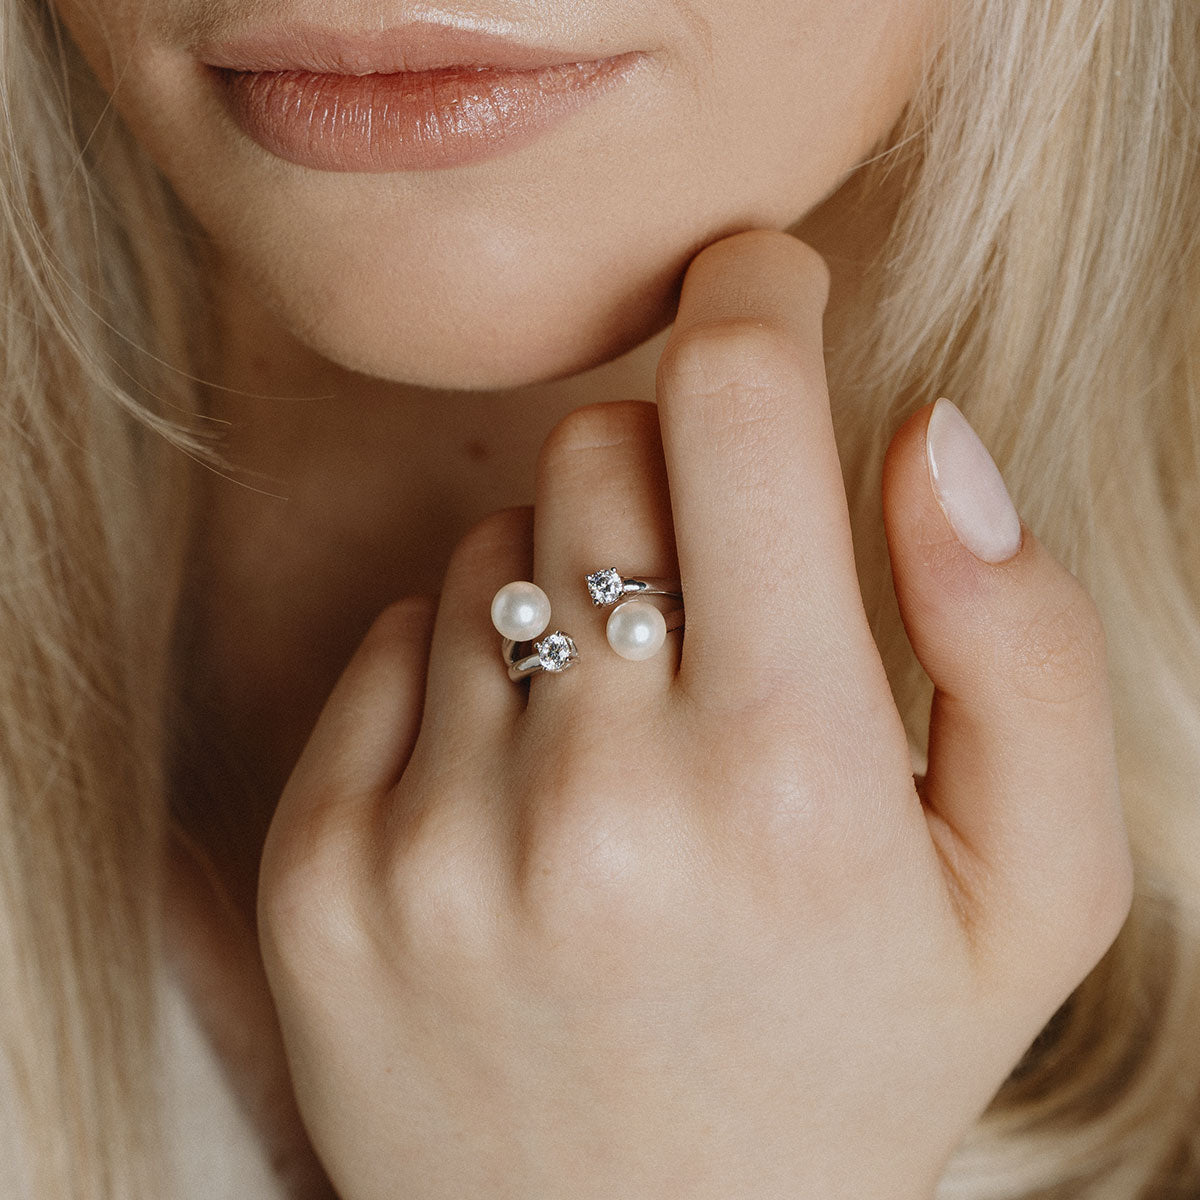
pixel 520 611
pixel 636 630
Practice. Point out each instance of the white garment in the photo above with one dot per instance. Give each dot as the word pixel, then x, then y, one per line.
pixel 214 1152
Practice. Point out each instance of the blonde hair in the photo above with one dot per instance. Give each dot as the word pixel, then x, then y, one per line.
pixel 1042 270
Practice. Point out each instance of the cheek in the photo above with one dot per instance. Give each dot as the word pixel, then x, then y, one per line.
pixel 797 93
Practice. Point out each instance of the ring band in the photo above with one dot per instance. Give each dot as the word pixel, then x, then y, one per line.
pixel 554 653
pixel 609 585
pixel 636 629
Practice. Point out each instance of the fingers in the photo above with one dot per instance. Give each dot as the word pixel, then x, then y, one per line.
pixel 761 522
pixel 602 501
pixel 357 750
pixel 1022 778
pixel 367 727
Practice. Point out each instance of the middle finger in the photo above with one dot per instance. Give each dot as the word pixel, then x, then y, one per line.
pixel 602 501
pixel 761 519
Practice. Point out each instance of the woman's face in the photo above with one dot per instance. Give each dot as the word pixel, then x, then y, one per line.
pixel 549 258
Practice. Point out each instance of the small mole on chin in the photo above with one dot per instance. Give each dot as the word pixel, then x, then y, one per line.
pixel 476 451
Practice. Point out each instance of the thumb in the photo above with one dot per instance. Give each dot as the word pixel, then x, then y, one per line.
pixel 1021 790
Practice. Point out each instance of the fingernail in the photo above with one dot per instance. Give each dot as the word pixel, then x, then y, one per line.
pixel 969 487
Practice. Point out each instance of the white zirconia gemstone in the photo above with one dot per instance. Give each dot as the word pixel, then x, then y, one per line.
pixel 605 586
pixel 556 652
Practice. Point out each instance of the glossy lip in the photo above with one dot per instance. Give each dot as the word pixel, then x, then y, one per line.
pixel 410 120
pixel 410 47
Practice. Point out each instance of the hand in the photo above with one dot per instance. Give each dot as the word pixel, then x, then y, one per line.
pixel 685 927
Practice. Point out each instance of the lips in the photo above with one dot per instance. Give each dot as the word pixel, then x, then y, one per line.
pixel 413 47
pixel 406 121
pixel 417 97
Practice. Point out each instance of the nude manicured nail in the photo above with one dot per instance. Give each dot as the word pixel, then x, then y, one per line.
pixel 969 487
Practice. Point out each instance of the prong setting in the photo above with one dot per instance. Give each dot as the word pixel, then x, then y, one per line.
pixel 556 651
pixel 606 586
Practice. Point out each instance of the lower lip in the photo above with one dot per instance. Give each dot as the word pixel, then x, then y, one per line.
pixel 411 121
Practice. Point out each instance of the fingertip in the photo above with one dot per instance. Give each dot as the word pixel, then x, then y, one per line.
pixel 920 541
pixel 954 535
pixel 906 447
pixel 761 274
pixel 968 486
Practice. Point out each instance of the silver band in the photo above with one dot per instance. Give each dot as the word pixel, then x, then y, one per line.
pixel 555 652
pixel 673 619
pixel 609 586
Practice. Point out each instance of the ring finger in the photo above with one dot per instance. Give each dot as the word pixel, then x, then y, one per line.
pixel 602 501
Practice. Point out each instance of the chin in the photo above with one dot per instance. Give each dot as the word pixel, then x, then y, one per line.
pixel 465 351
pixel 470 329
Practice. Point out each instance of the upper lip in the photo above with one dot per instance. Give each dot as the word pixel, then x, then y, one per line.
pixel 413 46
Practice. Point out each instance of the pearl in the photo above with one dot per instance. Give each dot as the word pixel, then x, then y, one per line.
pixel 636 630
pixel 520 611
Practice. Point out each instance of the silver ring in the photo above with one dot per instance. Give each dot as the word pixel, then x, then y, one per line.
pixel 609 585
pixel 642 635
pixel 554 653
pixel 520 614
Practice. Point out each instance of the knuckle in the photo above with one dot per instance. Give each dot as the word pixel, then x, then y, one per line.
pixel 1065 918
pixel 794 807
pixel 433 882
pixel 716 360
pixel 582 855
pixel 1059 654
pixel 304 886
pixel 777 806
pixel 776 795
pixel 772 245
pixel 490 539
pixel 593 427
pixel 586 873
pixel 401 623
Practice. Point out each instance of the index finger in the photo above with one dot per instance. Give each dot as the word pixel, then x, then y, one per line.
pixel 762 528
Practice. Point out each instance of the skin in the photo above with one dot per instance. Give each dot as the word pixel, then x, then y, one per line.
pixel 772 968
pixel 417 903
